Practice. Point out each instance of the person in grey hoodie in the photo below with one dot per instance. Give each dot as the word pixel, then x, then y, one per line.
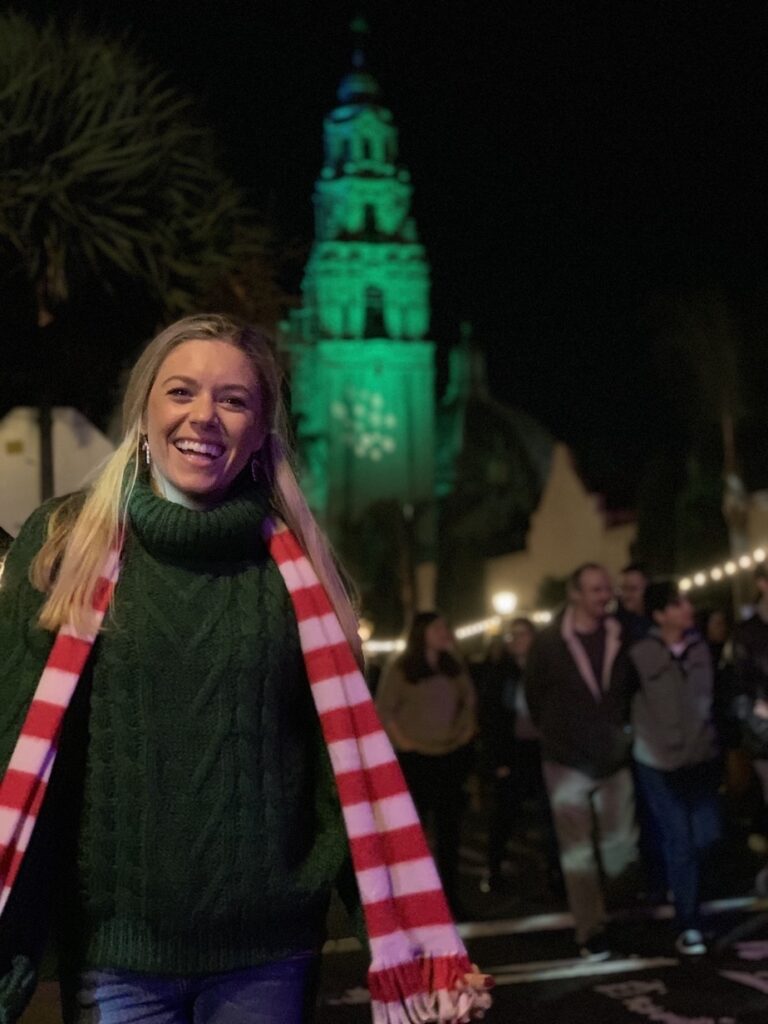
pixel 675 749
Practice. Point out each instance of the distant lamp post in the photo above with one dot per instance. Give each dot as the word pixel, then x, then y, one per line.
pixel 504 602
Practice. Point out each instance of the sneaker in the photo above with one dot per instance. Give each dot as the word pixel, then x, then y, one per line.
pixel 691 943
pixel 595 949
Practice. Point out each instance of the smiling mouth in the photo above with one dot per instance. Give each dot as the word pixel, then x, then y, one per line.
pixel 199 449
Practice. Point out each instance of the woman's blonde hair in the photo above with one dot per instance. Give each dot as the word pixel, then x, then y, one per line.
pixel 81 533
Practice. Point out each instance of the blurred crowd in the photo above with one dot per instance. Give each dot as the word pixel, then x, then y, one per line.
pixel 633 728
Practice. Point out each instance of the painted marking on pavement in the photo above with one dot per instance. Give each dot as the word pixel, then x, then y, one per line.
pixel 516 974
pixel 564 921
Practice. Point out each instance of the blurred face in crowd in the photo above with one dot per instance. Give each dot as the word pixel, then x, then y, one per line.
pixel 438 636
pixel 520 640
pixel 677 616
pixel 632 591
pixel 717 628
pixel 593 593
pixel 497 649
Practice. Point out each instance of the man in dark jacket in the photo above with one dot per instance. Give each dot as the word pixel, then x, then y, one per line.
pixel 577 681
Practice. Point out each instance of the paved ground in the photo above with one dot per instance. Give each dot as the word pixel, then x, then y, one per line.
pixel 539 981
pixel 523 937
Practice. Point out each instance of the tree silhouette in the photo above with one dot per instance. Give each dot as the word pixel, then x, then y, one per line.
pixel 105 177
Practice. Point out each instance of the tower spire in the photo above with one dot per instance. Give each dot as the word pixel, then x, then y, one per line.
pixel 359 85
pixel 360 31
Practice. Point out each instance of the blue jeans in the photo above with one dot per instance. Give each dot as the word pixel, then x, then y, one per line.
pixel 683 805
pixel 281 992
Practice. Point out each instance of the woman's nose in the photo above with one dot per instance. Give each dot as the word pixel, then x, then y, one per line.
pixel 203 409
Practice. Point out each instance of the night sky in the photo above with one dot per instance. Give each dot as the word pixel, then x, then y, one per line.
pixel 577 166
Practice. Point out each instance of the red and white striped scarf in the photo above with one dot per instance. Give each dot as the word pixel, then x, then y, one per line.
pixel 417 956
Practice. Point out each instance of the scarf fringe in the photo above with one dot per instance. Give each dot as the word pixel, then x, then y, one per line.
pixel 423 991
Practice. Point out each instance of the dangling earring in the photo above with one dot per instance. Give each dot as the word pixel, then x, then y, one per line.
pixel 255 467
pixel 145 450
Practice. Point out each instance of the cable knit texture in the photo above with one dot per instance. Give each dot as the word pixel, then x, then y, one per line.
pixel 210 833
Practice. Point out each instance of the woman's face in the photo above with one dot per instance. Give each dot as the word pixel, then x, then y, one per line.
pixel 438 636
pixel 203 418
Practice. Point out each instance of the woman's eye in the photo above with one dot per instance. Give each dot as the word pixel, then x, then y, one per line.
pixel 238 403
pixel 179 391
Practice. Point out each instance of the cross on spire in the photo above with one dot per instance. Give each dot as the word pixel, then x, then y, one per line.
pixel 360 33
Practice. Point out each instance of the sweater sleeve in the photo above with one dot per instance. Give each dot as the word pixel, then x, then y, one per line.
pixel 630 684
pixel 468 707
pixel 24 646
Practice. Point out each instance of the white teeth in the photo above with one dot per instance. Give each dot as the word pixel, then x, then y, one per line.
pixel 214 450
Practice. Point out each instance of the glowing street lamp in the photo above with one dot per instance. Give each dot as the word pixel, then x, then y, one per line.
pixel 504 602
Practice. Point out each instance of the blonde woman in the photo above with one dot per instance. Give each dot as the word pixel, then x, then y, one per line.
pixel 191 831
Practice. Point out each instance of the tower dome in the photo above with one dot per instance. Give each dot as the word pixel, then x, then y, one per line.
pixel 358 86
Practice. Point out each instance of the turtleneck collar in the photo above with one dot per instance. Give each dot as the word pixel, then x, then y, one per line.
pixel 231 529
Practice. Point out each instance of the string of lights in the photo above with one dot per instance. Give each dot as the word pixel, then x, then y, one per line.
pixel 717 573
pixel 506 602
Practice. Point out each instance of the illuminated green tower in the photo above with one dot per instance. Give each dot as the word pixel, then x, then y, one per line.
pixel 363 388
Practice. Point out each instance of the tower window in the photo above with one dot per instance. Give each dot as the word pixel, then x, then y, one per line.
pixel 369 221
pixel 374 313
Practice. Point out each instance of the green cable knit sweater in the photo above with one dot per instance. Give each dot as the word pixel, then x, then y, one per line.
pixel 205 831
